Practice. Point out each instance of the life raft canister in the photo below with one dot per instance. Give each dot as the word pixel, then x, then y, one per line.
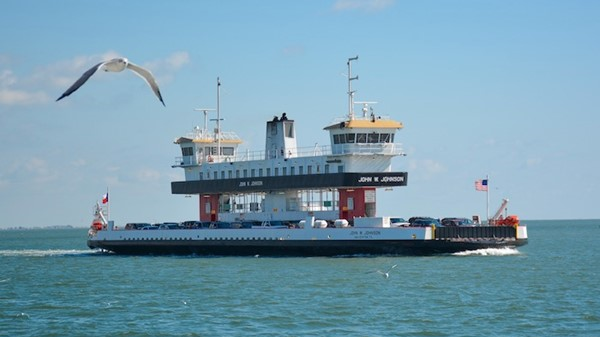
pixel 97 225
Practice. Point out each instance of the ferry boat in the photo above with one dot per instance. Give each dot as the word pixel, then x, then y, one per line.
pixel 287 200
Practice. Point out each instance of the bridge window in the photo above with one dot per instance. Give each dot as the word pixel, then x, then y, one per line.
pixel 361 138
pixel 350 138
pixel 187 151
pixel 373 137
pixel 227 151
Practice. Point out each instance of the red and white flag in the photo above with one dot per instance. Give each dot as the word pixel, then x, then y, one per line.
pixel 481 185
pixel 105 198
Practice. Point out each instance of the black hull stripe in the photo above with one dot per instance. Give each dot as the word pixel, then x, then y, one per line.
pixel 306 181
pixel 298 248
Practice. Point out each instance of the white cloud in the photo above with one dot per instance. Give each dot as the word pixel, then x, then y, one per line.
pixel 426 167
pixel 20 97
pixel 532 162
pixel 79 162
pixel 147 175
pixel 165 68
pixel 364 5
pixel 11 96
pixel 35 169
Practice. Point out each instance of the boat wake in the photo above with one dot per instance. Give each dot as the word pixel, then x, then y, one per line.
pixel 46 252
pixel 505 251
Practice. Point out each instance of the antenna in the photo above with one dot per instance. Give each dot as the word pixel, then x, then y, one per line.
pixel 365 108
pixel 205 110
pixel 350 91
pixel 218 117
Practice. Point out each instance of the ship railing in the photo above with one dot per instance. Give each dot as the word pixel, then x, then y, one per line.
pixel 390 149
pixel 203 135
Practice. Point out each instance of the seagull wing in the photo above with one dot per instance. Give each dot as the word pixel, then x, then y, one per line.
pixel 147 76
pixel 81 80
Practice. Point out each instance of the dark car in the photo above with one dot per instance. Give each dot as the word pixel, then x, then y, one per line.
pixel 150 227
pixel 423 221
pixel 455 222
pixel 194 224
pixel 136 225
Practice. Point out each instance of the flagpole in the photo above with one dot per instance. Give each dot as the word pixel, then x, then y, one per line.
pixel 107 204
pixel 487 178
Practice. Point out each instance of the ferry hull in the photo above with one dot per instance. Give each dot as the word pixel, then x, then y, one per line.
pixel 299 247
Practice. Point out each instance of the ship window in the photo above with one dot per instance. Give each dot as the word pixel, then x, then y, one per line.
pixel 293 170
pixel 309 168
pixel 230 174
pixel 340 168
pixel 350 138
pixel 300 169
pixel 187 151
pixel 215 175
pixel 268 171
pixel 284 171
pixel 210 150
pixel 222 174
pixel 201 177
pixel 260 172
pixel 227 151
pixel 276 171
pixel 326 168
pixel 350 203
pixel 336 139
pixel 245 173
pixel 361 137
pixel 289 130
pixel 318 168
pixel 252 172
pixel 373 137
pixel 237 173
pixel 391 137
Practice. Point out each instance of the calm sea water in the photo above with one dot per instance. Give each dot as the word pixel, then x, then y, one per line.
pixel 52 285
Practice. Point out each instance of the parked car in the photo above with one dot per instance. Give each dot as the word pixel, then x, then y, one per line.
pixel 194 224
pixel 454 222
pixel 423 221
pixel 149 227
pixel 169 225
pixel 136 225
pixel 399 222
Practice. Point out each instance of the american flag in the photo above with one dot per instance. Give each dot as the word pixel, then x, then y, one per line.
pixel 481 185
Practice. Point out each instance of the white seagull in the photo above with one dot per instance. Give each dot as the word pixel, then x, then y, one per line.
pixel 116 65
pixel 386 274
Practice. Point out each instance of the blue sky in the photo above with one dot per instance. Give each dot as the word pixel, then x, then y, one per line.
pixel 505 88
